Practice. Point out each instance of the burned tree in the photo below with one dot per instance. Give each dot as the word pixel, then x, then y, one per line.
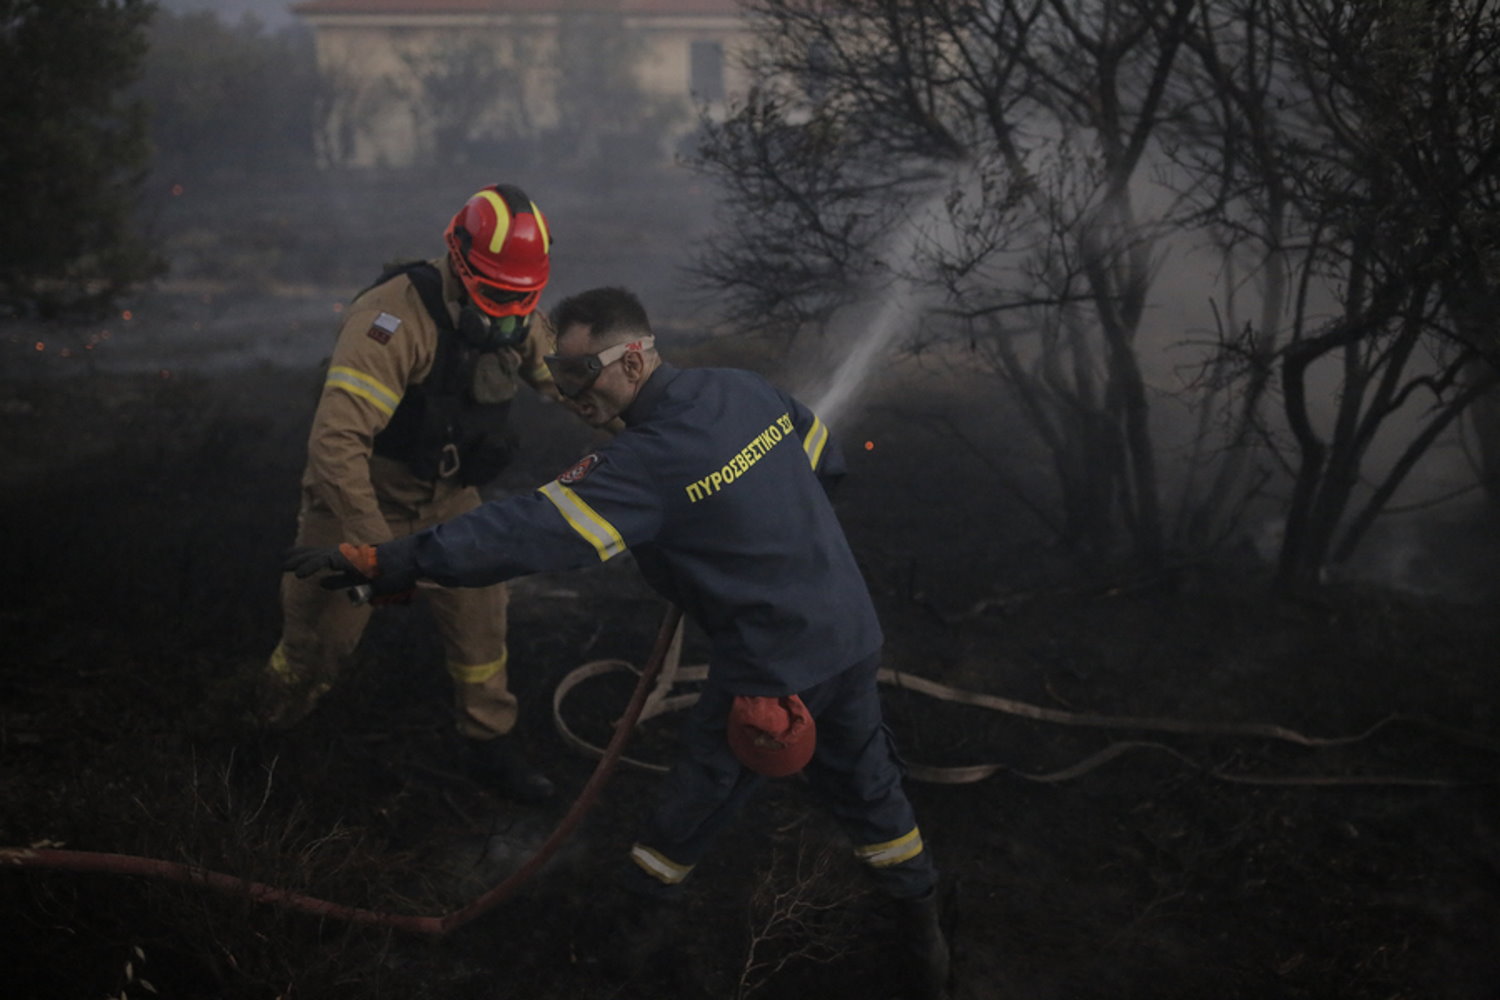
pixel 1349 152
pixel 1026 128
pixel 1340 159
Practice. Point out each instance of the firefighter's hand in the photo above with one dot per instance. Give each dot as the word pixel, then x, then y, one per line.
pixel 351 568
pixel 348 565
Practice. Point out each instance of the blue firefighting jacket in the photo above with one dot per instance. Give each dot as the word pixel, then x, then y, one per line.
pixel 716 487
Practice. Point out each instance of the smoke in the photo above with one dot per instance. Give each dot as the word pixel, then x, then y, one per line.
pixel 274 14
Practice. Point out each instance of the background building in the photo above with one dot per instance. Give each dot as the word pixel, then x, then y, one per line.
pixel 406 83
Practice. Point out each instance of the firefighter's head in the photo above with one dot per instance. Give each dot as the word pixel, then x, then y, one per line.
pixel 500 248
pixel 605 352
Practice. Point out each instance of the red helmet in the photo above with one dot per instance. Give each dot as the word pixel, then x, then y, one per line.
pixel 772 736
pixel 500 247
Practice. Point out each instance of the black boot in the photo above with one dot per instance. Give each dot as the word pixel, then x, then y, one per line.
pixel 500 767
pixel 923 945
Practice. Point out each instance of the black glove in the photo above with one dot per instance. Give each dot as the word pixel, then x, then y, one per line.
pixel 306 560
pixel 351 567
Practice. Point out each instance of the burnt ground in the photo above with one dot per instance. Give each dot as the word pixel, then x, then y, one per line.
pixel 144 517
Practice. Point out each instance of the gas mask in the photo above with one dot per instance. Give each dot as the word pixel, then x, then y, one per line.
pixel 484 332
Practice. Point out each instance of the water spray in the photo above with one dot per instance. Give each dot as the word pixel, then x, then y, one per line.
pixel 899 304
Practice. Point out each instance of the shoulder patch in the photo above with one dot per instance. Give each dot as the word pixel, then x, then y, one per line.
pixel 581 468
pixel 383 326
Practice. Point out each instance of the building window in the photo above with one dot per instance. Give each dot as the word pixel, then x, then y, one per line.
pixel 707 70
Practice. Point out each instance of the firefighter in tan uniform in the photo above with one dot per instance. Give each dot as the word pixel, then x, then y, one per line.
pixel 411 422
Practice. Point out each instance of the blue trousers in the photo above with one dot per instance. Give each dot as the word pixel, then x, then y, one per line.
pixel 855 771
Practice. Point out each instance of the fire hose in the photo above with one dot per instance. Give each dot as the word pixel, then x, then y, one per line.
pixel 661 702
pixel 667 637
pixel 652 697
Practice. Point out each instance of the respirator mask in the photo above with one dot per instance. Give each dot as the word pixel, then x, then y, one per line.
pixel 484 332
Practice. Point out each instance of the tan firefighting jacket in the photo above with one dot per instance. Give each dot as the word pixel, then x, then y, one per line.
pixel 388 342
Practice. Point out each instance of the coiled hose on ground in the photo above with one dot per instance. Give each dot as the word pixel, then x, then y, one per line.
pixel 652 697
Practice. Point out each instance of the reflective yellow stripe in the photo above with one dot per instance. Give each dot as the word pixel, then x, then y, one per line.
pixel 661 868
pixel 279 664
pixel 816 440
pixel 359 384
pixel 502 218
pixel 541 373
pixel 585 520
pixel 892 852
pixel 477 673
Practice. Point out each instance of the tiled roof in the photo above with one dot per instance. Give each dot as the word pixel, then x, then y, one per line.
pixel 420 7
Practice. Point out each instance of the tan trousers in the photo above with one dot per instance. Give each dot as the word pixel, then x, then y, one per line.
pixel 321 628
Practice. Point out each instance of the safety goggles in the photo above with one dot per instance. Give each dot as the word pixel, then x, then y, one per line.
pixel 499 301
pixel 574 373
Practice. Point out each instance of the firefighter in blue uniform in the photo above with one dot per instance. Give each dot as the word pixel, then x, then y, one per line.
pixel 718 487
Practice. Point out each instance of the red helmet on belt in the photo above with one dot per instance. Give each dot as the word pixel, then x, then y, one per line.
pixel 501 249
pixel 771 736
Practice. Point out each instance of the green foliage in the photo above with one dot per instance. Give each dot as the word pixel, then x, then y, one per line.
pixel 73 153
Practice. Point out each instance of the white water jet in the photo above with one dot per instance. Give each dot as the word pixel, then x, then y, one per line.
pixel 854 369
pixel 898 306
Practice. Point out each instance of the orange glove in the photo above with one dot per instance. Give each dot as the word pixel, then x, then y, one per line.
pixel 362 559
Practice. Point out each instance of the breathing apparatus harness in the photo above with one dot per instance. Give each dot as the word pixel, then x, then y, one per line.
pixel 455 422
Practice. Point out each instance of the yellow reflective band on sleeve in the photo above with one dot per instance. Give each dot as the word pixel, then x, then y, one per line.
pixel 585 520
pixel 816 440
pixel 477 673
pixel 659 867
pixel 279 665
pixel 359 384
pixel 892 852
pixel 541 373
